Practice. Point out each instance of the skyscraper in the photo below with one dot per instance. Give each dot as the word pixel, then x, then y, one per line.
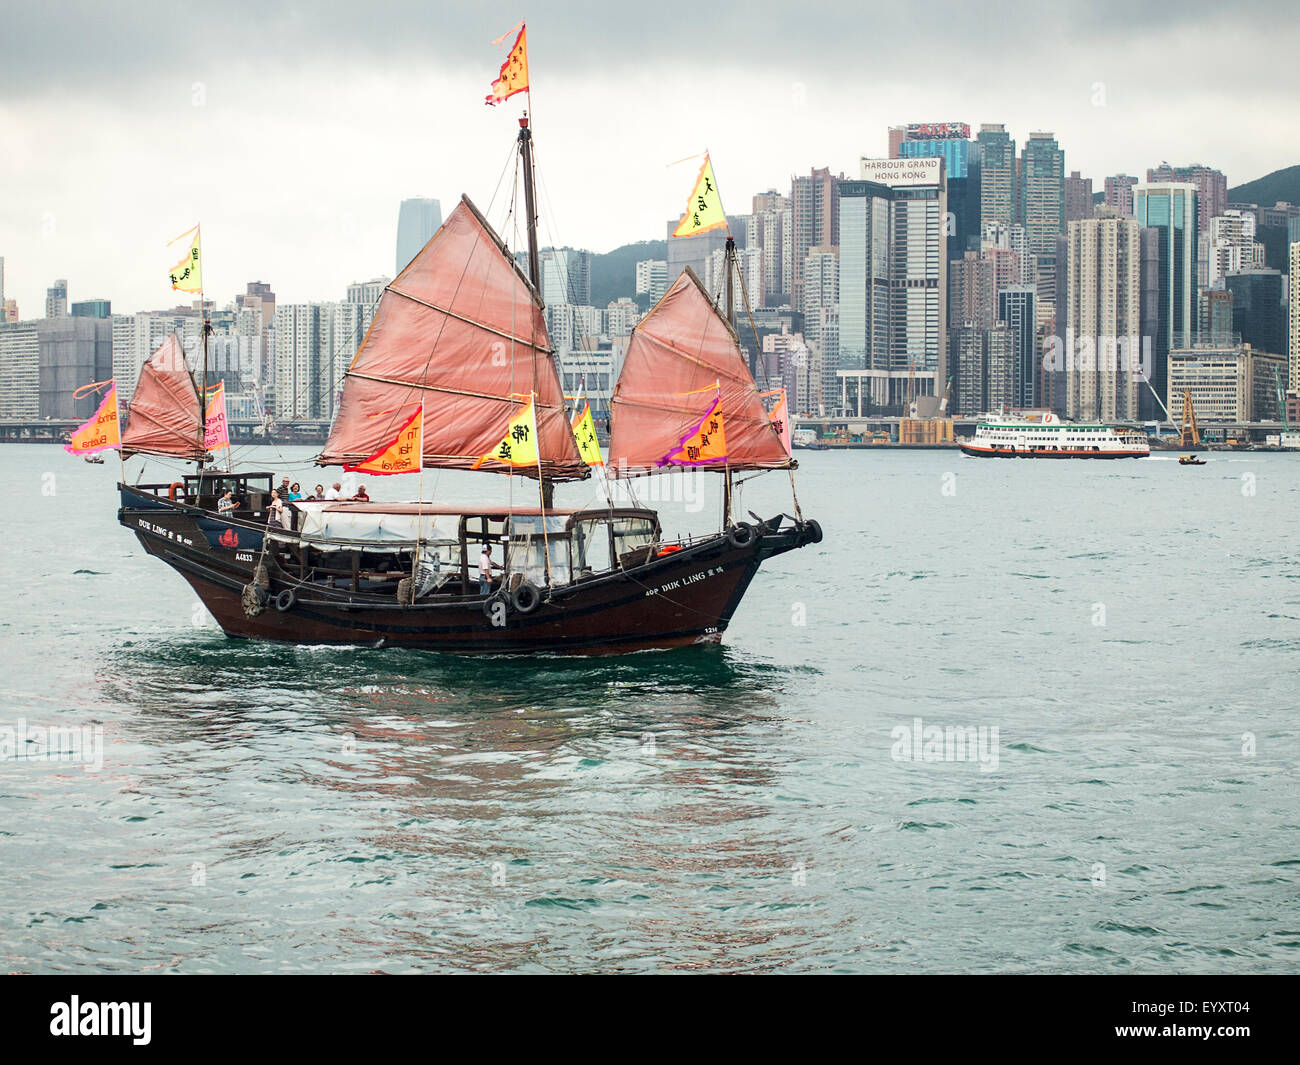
pixel 1016 308
pixel 1119 192
pixel 1294 304
pixel 1042 194
pixel 56 299
pixel 893 280
pixel 815 218
pixel 771 231
pixel 1103 319
pixel 566 276
pixel 417 221
pixel 1078 197
pixel 1258 310
pixel 1169 210
pixel 997 175
pixel 1211 187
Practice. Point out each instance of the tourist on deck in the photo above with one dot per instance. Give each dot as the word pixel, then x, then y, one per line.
pixel 284 488
pixel 226 504
pixel 295 492
pixel 485 568
pixel 334 492
pixel 318 495
pixel 361 496
pixel 275 509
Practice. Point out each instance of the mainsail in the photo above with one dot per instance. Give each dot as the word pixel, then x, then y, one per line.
pixel 462 330
pixel 164 415
pixel 677 354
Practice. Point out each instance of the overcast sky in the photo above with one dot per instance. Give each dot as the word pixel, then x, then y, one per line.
pixel 292 131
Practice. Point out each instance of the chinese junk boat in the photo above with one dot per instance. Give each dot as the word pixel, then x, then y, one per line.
pixel 458 349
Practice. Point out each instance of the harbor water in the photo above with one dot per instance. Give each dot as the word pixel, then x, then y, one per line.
pixel 1006 717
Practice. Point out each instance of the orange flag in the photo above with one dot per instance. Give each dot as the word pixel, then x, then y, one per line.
pixel 780 415
pixel 705 445
pixel 101 432
pixel 514 71
pixel 405 454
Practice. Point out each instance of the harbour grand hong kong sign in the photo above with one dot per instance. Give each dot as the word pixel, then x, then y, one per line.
pixel 938 131
pixel 896 172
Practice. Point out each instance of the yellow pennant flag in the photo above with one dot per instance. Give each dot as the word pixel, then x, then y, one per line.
pixel 704 208
pixel 403 454
pixel 584 432
pixel 187 275
pixel 101 431
pixel 519 446
pixel 514 71
pixel 705 445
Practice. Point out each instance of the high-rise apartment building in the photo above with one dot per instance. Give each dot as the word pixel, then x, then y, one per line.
pixel 1293 344
pixel 815 219
pixel 771 231
pixel 651 279
pixel 1078 197
pixel 997 175
pixel 418 220
pixel 56 299
pixel 821 272
pixel 1169 210
pixel 367 292
pixel 566 276
pixel 1017 309
pixel 1119 192
pixel 1103 320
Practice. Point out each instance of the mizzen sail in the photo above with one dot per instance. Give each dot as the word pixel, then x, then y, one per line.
pixel 164 415
pixel 462 332
pixel 683 358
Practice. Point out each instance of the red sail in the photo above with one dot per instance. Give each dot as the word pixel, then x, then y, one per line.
pixel 676 354
pixel 461 328
pixel 163 417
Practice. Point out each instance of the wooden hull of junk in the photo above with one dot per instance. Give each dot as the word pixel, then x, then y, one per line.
pixel 671 599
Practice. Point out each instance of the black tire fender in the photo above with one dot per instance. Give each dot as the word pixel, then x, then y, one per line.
pixel 526 598
pixel 741 535
pixel 814 531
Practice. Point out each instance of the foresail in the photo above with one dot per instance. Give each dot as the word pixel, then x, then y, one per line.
pixel 164 415
pixel 682 358
pixel 463 332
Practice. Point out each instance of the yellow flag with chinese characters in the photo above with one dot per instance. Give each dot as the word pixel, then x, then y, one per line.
pixel 584 432
pixel 704 208
pixel 519 446
pixel 513 77
pixel 403 454
pixel 187 275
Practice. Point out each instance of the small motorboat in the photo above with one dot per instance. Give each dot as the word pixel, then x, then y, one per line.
pixel 95 460
pixel 1190 460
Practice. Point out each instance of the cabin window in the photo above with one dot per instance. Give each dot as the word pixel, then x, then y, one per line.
pixel 527 552
pixel 591 547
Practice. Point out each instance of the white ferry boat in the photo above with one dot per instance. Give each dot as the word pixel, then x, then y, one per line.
pixel 1042 435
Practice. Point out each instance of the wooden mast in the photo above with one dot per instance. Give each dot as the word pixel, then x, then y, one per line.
pixel 546 487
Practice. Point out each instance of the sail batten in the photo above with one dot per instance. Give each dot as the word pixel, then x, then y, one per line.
pixel 462 332
pixel 164 416
pixel 683 358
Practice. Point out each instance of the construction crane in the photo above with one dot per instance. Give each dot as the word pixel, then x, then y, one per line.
pixel 1189 435
pixel 947 395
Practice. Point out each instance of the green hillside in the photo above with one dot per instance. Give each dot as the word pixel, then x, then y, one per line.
pixel 1279 186
pixel 614 273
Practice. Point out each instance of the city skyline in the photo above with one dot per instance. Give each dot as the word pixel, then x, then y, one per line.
pixel 310 130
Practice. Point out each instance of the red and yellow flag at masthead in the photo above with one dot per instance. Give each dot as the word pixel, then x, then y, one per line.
pixel 187 275
pixel 519 446
pixel 584 432
pixel 704 208
pixel 514 71
pixel 101 432
pixel 705 445
pixel 403 454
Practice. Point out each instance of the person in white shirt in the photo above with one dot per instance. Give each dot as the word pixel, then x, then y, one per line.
pixel 335 491
pixel 485 568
